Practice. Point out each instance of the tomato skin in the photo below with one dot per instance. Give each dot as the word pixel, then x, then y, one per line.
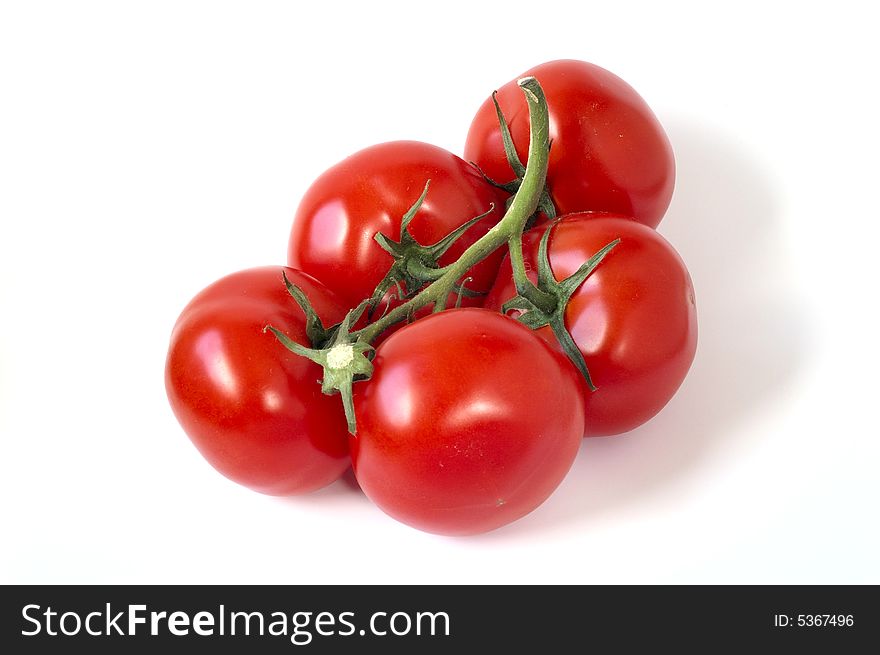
pixel 369 192
pixel 608 153
pixel 251 407
pixel 469 422
pixel 634 319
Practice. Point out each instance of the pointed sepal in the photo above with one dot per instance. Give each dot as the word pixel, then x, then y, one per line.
pixel 345 360
pixel 535 317
pixel 415 264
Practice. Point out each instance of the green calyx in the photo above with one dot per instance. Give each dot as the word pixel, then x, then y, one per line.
pixel 415 264
pixel 344 358
pixel 547 306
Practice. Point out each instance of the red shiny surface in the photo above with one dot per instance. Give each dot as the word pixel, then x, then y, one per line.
pixel 608 150
pixel 634 319
pixel 252 408
pixel 469 422
pixel 369 192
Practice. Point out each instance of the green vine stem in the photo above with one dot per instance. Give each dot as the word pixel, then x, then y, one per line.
pixel 545 202
pixel 508 230
pixel 345 355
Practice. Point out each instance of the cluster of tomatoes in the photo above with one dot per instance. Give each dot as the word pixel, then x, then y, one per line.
pixel 465 418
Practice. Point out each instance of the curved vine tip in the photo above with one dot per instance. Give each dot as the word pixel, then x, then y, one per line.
pixel 545 201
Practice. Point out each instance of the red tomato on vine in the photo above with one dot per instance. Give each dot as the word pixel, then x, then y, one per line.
pixel 252 408
pixel 634 318
pixel 469 422
pixel 332 237
pixel 608 150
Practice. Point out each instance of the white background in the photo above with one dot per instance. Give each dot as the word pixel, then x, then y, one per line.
pixel 147 149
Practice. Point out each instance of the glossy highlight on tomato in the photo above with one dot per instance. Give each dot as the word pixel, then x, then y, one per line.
pixel 252 408
pixel 469 422
pixel 368 193
pixel 634 319
pixel 608 150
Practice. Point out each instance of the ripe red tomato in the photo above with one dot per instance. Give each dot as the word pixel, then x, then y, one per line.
pixel 252 408
pixel 469 422
pixel 634 319
pixel 608 150
pixel 369 192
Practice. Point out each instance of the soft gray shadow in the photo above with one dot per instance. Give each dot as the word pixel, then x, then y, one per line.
pixel 344 490
pixel 752 340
